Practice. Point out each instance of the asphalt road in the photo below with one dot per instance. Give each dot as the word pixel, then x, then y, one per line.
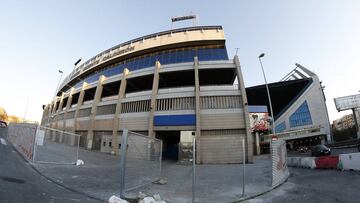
pixel 314 186
pixel 21 183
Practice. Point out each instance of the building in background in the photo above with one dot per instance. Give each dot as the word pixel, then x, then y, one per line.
pixel 344 122
pixel 163 85
pixel 350 102
pixel 300 111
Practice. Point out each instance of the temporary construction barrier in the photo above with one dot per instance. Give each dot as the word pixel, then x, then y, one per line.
pixel 302 162
pixel 349 161
pixel 308 162
pixel 327 162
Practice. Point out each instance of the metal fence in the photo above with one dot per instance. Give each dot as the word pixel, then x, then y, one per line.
pixel 140 162
pixel 55 146
pixel 22 136
pixel 3 131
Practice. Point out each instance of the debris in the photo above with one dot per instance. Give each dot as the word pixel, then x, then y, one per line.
pixel 160 181
pixel 115 199
pixel 141 195
pixel 79 162
pixel 148 200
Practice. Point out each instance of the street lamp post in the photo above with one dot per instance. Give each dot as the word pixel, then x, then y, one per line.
pixel 61 74
pixel 268 93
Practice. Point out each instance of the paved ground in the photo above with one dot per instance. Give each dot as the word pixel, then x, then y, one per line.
pixel 20 183
pixel 313 186
pixel 100 176
pixel 333 152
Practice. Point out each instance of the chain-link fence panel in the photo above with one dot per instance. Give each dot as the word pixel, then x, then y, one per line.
pixel 3 131
pixel 22 136
pixel 141 162
pixel 55 146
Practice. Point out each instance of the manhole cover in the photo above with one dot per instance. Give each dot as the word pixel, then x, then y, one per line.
pixel 13 180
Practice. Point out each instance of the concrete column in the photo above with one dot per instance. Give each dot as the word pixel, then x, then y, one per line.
pixel 61 103
pixel 79 103
pixel 97 98
pixel 116 122
pixel 67 107
pixel 44 115
pixel 257 144
pixel 54 106
pixel 155 88
pixel 197 107
pixel 248 137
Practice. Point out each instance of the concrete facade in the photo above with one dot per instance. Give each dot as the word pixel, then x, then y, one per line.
pixel 194 96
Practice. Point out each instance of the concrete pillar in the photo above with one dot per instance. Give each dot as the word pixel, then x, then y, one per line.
pixel 248 137
pixel 155 88
pixel 197 107
pixel 54 107
pixel 67 107
pixel 61 102
pixel 116 122
pixel 97 98
pixel 257 143
pixel 79 103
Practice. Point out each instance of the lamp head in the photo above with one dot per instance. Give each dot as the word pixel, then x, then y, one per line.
pixel 261 55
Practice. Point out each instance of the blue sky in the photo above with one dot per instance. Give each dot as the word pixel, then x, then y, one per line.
pixel 39 37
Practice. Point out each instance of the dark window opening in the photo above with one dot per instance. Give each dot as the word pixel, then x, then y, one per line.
pixel 110 89
pixel 75 98
pixel 89 94
pixel 177 79
pixel 141 83
pixel 224 76
pixel 64 103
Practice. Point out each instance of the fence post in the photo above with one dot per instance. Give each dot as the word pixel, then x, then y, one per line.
pixel 78 146
pixel 193 175
pixel 124 143
pixel 161 148
pixel 34 147
pixel 243 152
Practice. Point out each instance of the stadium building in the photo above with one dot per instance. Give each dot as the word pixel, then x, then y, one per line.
pixel 167 85
pixel 299 107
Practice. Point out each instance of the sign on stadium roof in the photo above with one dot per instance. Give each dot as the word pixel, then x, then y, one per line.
pixel 180 18
pixel 347 102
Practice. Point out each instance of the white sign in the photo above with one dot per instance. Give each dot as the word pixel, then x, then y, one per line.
pixel 347 102
pixel 39 138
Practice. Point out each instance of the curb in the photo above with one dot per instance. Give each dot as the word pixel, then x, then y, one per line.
pixel 263 192
pixel 52 180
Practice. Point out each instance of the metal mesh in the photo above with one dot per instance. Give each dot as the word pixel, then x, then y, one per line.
pixel 3 131
pixel 22 136
pixel 55 146
pixel 143 161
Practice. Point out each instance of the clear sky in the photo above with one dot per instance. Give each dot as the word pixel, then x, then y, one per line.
pixel 39 37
